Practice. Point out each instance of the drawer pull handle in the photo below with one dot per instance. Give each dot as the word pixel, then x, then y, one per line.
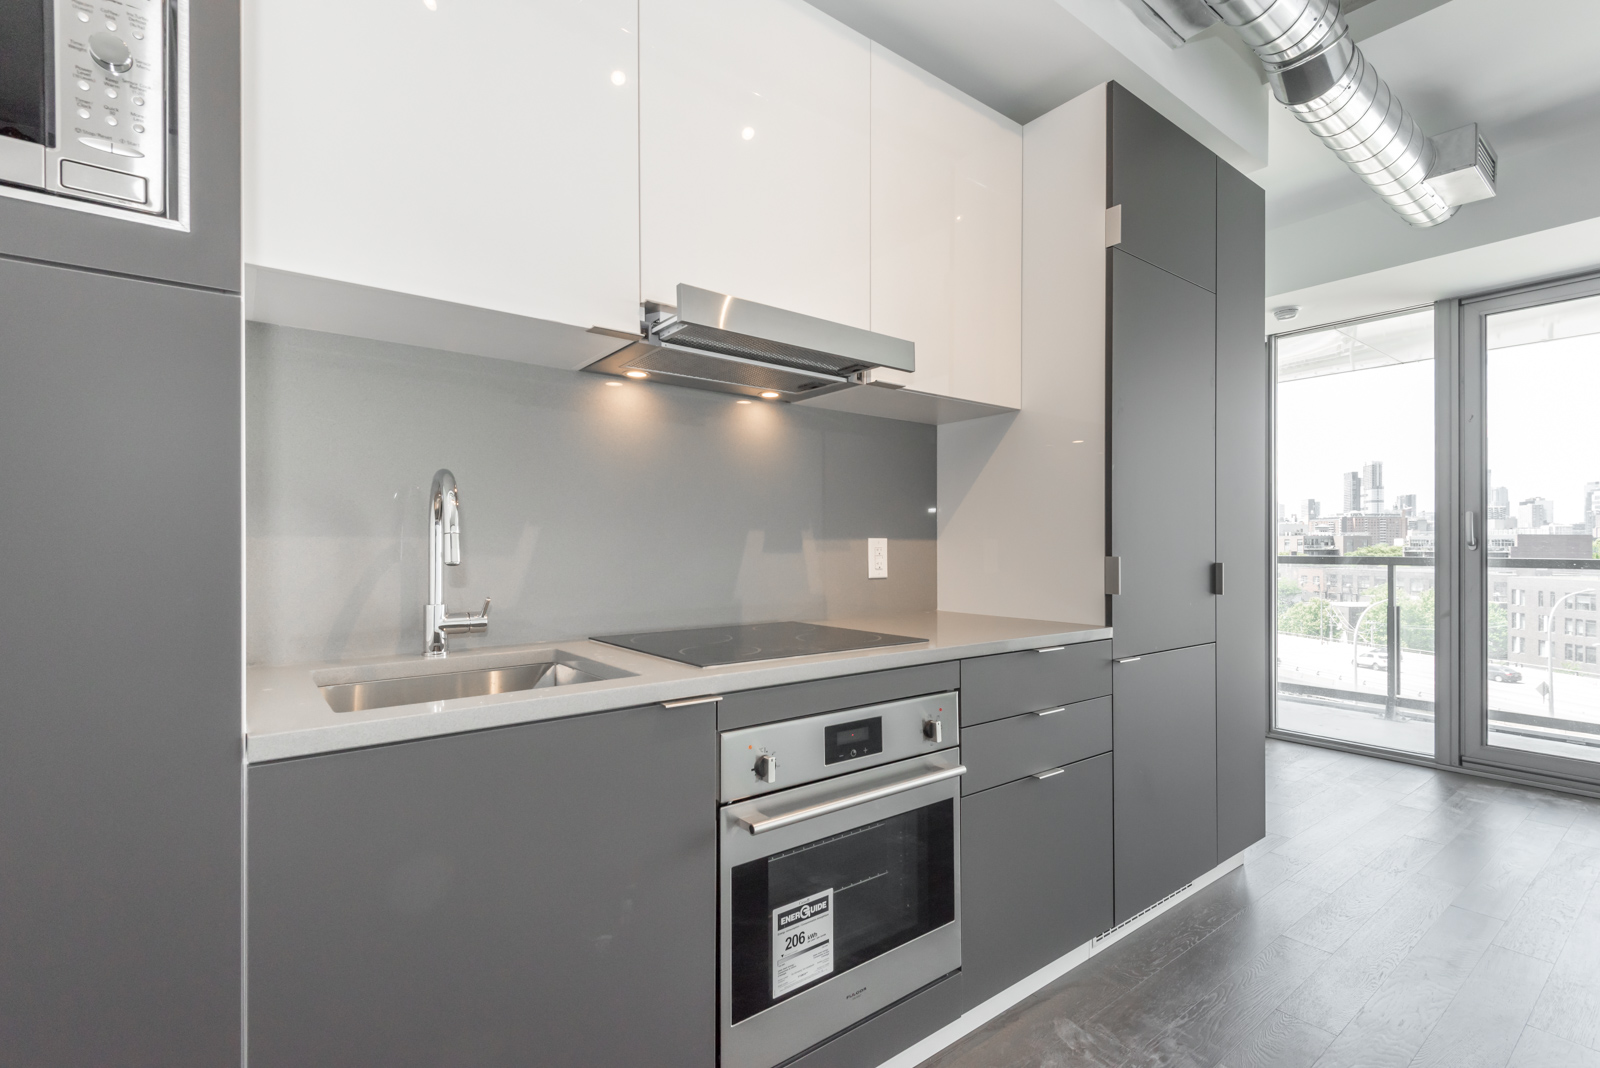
pixel 1052 773
pixel 1051 649
pixel 1129 660
pixel 687 701
pixel 1051 711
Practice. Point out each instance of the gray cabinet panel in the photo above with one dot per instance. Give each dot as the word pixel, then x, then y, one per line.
pixel 1166 795
pixel 1036 876
pixel 207 255
pixel 542 894
pixel 1244 522
pixel 754 707
pixel 993 687
pixel 1166 182
pixel 1007 749
pixel 1162 337
pixel 119 718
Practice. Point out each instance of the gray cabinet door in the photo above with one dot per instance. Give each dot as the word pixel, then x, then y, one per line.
pixel 542 894
pixel 1244 521
pixel 1162 336
pixel 207 253
pixel 1166 795
pixel 1166 183
pixel 119 717
pixel 1035 873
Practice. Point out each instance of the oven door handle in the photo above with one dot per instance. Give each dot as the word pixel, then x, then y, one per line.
pixel 762 824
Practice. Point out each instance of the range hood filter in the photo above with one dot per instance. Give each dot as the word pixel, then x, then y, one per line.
pixel 713 341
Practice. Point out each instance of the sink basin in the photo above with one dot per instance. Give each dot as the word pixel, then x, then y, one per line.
pixel 565 670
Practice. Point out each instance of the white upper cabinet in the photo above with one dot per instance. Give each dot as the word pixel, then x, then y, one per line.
pixel 755 155
pixel 946 234
pixel 478 151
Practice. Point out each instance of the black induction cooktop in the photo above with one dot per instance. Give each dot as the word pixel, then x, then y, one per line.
pixel 740 643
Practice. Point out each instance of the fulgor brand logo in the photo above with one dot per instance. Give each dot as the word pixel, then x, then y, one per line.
pixel 817 906
pixel 855 994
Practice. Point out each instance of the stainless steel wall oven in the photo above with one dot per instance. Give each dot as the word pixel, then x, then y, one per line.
pixel 840 890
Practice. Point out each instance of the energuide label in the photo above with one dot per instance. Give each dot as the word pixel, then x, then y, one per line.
pixel 802 942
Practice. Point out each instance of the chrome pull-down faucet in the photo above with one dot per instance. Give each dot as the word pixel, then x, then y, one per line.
pixel 444 549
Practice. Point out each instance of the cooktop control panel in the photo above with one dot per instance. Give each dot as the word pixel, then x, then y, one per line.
pixel 776 756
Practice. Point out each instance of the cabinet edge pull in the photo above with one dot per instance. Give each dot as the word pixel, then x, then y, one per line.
pixel 1052 773
pixel 687 701
pixel 1128 660
pixel 1051 649
pixel 1051 711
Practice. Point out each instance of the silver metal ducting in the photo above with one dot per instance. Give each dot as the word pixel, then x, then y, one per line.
pixel 1319 73
pixel 713 341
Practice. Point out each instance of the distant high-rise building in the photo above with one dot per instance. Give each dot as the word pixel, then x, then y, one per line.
pixel 1535 512
pixel 1499 503
pixel 1407 503
pixel 1591 506
pixel 1281 509
pixel 1352 491
pixel 1309 510
pixel 1372 486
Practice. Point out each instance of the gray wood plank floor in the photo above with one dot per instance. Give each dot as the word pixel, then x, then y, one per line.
pixel 1393 916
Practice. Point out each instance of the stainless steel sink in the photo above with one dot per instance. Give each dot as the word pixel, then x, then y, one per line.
pixel 473 682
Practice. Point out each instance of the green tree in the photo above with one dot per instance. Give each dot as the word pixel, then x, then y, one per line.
pixel 1312 619
pixel 1499 638
pixel 1380 550
pixel 1289 593
pixel 1597 548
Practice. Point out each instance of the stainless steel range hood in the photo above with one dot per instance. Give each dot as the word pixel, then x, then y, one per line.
pixel 713 341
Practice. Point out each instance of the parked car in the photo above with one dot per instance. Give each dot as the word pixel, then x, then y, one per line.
pixel 1373 658
pixel 1504 673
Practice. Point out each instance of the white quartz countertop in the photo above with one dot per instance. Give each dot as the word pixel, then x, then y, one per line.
pixel 286 715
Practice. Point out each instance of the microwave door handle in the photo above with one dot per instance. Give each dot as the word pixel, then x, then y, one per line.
pixel 761 824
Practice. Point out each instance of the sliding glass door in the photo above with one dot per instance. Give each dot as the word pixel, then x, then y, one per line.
pixel 1354 466
pixel 1530 499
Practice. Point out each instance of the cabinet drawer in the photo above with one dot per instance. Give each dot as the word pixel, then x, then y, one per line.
pixel 1035 873
pixel 994 687
pixel 1007 749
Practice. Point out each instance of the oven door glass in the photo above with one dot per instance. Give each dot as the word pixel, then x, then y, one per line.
pixel 806 914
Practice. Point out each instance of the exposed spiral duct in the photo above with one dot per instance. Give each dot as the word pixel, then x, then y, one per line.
pixel 1319 73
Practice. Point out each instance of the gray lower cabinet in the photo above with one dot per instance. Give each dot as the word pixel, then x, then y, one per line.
pixel 540 894
pixel 1165 727
pixel 1036 873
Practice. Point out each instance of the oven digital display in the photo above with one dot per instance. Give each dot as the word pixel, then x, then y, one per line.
pixel 846 741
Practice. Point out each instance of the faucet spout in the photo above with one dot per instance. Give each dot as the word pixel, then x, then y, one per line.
pixel 444 550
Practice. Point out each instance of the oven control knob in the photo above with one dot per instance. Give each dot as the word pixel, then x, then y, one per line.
pixel 766 768
pixel 111 52
pixel 933 730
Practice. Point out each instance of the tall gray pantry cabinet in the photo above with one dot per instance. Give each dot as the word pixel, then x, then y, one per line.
pixel 1189 514
pixel 120 742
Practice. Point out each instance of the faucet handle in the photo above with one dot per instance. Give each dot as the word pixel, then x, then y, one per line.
pixel 484 616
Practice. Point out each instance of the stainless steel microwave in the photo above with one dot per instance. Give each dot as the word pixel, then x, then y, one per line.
pixel 87 107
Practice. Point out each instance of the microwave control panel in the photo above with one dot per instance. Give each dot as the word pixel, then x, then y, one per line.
pixel 776 756
pixel 111 107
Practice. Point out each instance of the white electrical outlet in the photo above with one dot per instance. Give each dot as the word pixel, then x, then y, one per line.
pixel 877 558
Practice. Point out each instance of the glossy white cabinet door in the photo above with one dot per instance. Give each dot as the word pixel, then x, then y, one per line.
pixel 946 234
pixel 478 151
pixel 754 155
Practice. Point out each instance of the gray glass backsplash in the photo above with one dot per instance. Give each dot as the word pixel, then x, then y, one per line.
pixel 586 507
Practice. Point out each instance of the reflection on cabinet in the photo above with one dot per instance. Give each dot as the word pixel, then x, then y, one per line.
pixel 1165 731
pixel 754 155
pixel 495 165
pixel 539 894
pixel 946 234
pixel 1036 873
